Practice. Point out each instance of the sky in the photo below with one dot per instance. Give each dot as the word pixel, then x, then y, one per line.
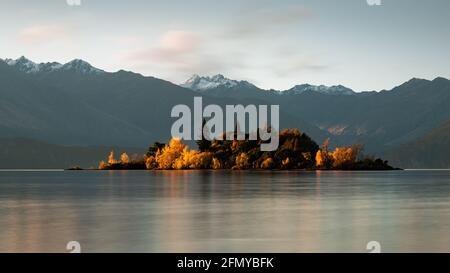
pixel 274 44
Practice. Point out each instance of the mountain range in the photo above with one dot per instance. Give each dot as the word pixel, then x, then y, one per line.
pixel 77 105
pixel 381 121
pixel 220 83
pixel 429 151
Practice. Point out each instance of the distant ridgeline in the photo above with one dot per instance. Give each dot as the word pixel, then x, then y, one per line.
pixel 296 151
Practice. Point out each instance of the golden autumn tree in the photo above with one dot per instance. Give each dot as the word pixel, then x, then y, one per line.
pixel 215 164
pixel 185 160
pixel 111 159
pixel 268 164
pixel 124 158
pixel 320 161
pixel 286 162
pixel 150 163
pixel 192 159
pixel 345 156
pixel 323 156
pixel 170 153
pixel 103 165
pixel 242 161
pixel 201 161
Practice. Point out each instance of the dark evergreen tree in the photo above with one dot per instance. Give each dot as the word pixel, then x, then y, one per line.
pixel 154 148
pixel 204 144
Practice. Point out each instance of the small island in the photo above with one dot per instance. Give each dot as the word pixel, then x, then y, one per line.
pixel 296 151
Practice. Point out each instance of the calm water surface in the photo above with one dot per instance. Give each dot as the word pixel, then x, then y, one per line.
pixel 195 211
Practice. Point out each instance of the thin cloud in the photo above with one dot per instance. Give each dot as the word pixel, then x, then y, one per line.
pixel 177 54
pixel 233 50
pixel 173 46
pixel 291 62
pixel 180 42
pixel 38 34
pixel 263 21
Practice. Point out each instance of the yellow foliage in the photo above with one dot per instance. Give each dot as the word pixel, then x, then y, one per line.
pixel 170 153
pixel 242 161
pixel 124 158
pixel 185 159
pixel 201 161
pixel 339 157
pixel 345 155
pixel 111 159
pixel 216 164
pixel 323 157
pixel 234 146
pixel 193 160
pixel 268 164
pixel 150 163
pixel 177 156
pixel 320 160
pixel 103 165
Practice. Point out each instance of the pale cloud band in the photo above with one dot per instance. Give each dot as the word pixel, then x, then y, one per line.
pixel 38 34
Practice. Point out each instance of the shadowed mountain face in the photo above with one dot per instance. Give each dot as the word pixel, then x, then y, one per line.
pixel 52 107
pixel 429 151
pixel 378 120
pixel 77 104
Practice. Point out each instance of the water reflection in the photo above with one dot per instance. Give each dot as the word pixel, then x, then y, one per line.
pixel 207 211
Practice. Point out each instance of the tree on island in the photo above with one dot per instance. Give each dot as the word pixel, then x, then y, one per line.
pixel 204 144
pixel 296 151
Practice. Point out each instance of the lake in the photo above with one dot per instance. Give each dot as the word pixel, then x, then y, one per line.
pixel 224 211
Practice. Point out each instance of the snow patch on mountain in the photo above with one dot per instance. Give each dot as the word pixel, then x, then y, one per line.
pixel 328 90
pixel 198 83
pixel 204 84
pixel 81 67
pixel 25 65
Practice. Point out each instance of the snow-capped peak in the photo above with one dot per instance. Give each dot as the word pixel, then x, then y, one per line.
pixel 329 90
pixel 81 66
pixel 25 65
pixel 198 83
pixel 206 83
pixel 17 61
